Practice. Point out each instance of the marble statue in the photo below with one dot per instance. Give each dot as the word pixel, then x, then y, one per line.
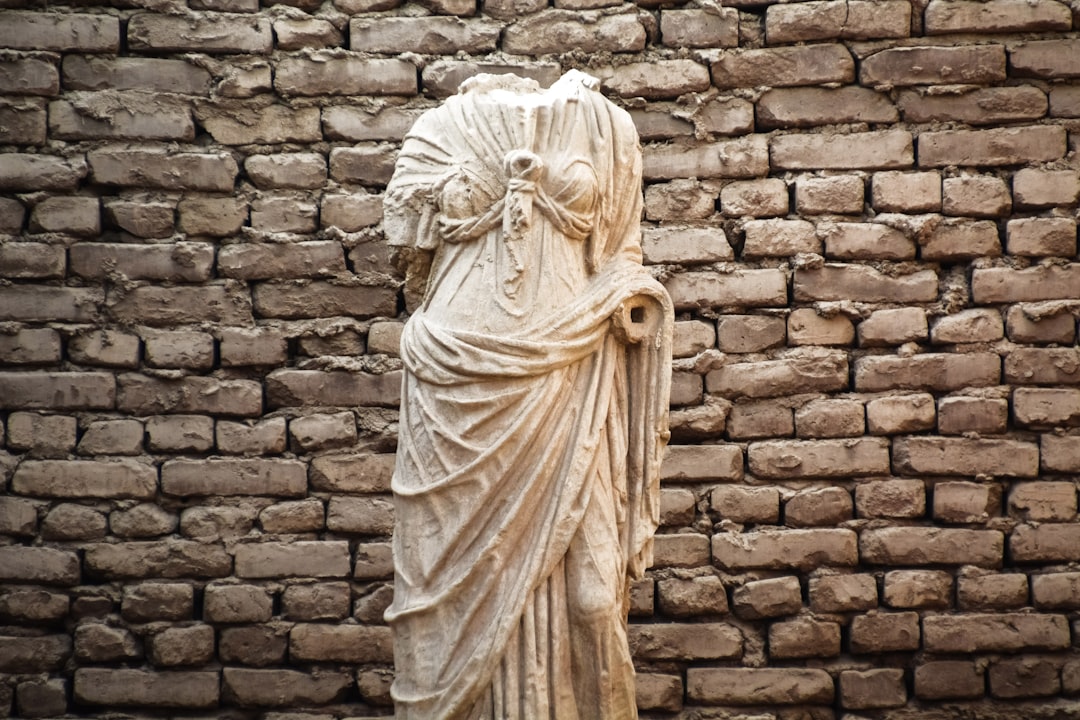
pixel 533 407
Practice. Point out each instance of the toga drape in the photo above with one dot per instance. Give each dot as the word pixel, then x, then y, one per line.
pixel 532 424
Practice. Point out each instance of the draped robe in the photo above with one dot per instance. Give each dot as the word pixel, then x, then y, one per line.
pixel 534 406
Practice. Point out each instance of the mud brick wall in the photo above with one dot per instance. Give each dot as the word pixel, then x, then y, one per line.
pixel 865 211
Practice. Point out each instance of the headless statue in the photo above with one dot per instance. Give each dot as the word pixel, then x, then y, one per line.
pixel 534 405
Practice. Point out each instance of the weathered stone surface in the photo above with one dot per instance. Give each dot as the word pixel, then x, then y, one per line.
pixel 843 593
pixel 120 478
pixel 783 67
pixel 23 171
pixel 808 371
pixel 44 653
pixel 890 499
pixel 823 507
pixel 1007 632
pixel 365 515
pixel 995 16
pixel 804 637
pixel 739 158
pixel 211 33
pixel 291 388
pixel 871 689
pixel 757 686
pixel 1044 282
pixel 974 64
pixel 963 456
pixel 341 643
pixel 700 28
pixel 164 559
pixel 187 645
pixel 194 394
pixel 930 371
pixel 776 549
pixel 818 458
pixel 433 35
pixel 282 688
pixel 999 146
pixel 553 31
pixel 1048 542
pixel 215 476
pixel 298 559
pixel 69 521
pixel 879 632
pixel 321 601
pixel 242 122
pixel 88 72
pixel 880 150
pixel 138 120
pixel 779 238
pixel 1046 58
pixel 326 74
pixel 774 597
pixel 831 19
pixel 654 80
pixel 443 77
pixel 992 592
pixel 980 106
pixel 918 589
pixel 177 262
pixel 932 546
pixel 70 32
pixel 157 169
pixel 195 689
pixel 29 76
pixel 38 565
pixel 749 333
pixel 662 641
pixel 948 679
pixel 865 284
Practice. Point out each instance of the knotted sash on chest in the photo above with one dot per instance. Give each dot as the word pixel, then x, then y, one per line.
pixel 527 184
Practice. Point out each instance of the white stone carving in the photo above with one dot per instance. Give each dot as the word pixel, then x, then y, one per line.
pixel 534 405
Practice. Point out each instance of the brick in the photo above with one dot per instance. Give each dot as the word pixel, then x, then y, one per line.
pixel 929 371
pixel 759 686
pixel 69 32
pixel 184 262
pixel 755 198
pixel 243 347
pixel 656 691
pixel 212 172
pixel 893 191
pixel 297 559
pixel 107 347
pixel 679 200
pixel 975 195
pixel 1024 677
pixel 146 520
pixel 73 522
pixel 998 146
pixel 161 559
pixel 864 284
pixel 971 64
pixel 22 171
pixel 783 67
pixel 237 603
pixel 960 415
pixel 779 238
pixel 894 326
pixel 42 565
pixel 296 516
pixel 872 689
pixel 810 106
pixel 24 122
pixel 973 325
pixel 741 288
pixel 671 641
pixel 931 546
pixel 260 261
pixel 291 388
pixel 804 638
pixel 783 459
pixel 364 515
pixel 322 601
pixel 949 679
pixel 178 349
pixel 780 549
pixel 282 688
pixel 385 337
pixel 443 77
pixel 686 550
pixel 879 150
pixel 977 106
pixel 30 346
pixel 350 212
pixel 880 632
pixel 966 502
pixel 695 463
pixel 119 478
pixel 1046 407
pixel 847 19
pixel 555 31
pixel 807 327
pixel 43 653
pixel 686 388
pixel 843 593
pixel 1060 453
pixel 707 27
pixel 804 371
pixel 1044 282
pixel 244 81
pixel 18 517
pixel 690 597
pixel 323 73
pixel 1056 591
pixel 214 216
pixel 657 122
pixel 29 76
pixel 73 215
pixel 297 34
pixel 821 507
pixel 691 337
pixel 918 589
pixel 41 698
pixel 1050 366
pixel 746 504
pixel 254 645
pixel 744 157
pixel 12 215
pixel 193 689
pixel 165 306
pixel 211 33
pixel 221 476
pixel 144 395
pixel 267 437
pixel 995 16
pixel 770 598
pixel 1045 188
pixel 365 165
pixel 749 333
pixel 429 35
pixel 375 561
pixel 654 80
pixel 340 643
pixel 890 499
pixel 1065 101
pixel 1038 237
pixel 725 116
pixel 57 391
pixel 766 419
pixel 1022 328
pixel 217 523
pixel 175 646
pixel 1049 542
pixel 360 124
pixel 1046 59
pixel 992 592
pixel 229 122
pixel 352 473
pixel 139 120
pixel 292 170
pixel 88 72
pixel 964 456
pixel 835 194
pixel 1006 632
